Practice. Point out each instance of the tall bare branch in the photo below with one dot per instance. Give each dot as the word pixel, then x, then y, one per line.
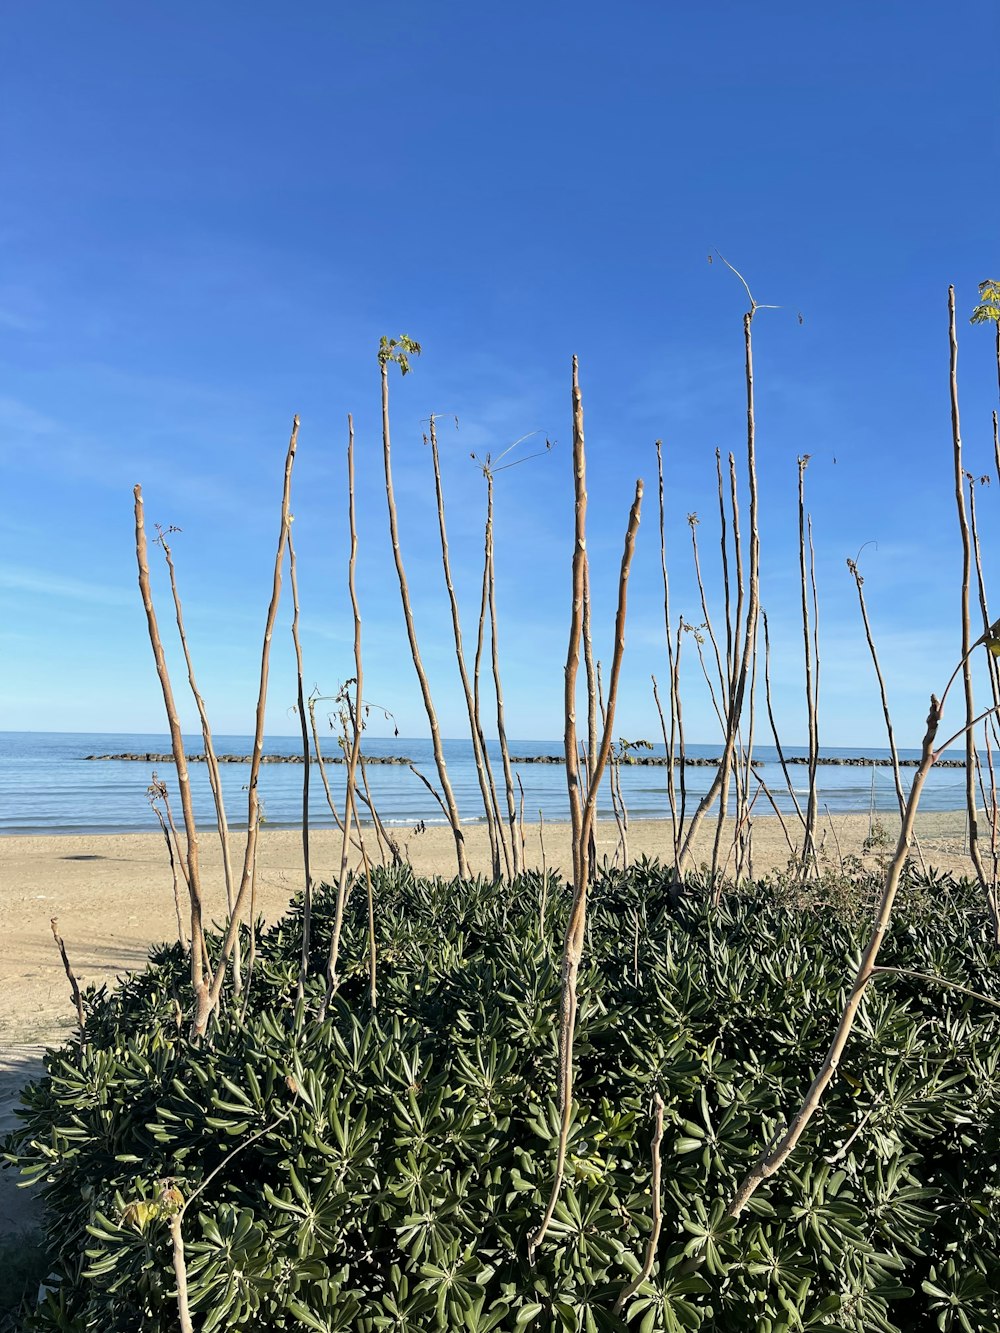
pixel 388 354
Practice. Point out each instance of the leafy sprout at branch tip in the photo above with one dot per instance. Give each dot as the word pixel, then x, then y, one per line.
pixel 398 350
pixel 988 310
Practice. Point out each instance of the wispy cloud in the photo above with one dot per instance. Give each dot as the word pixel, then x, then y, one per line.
pixel 69 589
pixel 14 320
pixel 20 420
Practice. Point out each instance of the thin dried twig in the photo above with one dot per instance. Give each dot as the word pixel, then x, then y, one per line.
pixel 478 741
pixel 582 813
pixel 655 1192
pixel 386 356
pixel 812 687
pixel 211 762
pixel 963 526
pixel 301 709
pixel 199 981
pixel 70 976
pixel 776 1155
pixel 749 633
pixel 495 659
pixel 253 812
pixel 155 792
pixel 669 741
pixel 350 805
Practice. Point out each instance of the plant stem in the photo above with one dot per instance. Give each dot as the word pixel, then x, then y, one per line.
pixel 495 656
pixel 212 763
pixel 655 1192
pixel 963 525
pixel 478 742
pixel 253 812
pixel 199 983
pixel 581 813
pixel 404 593
pixel 301 708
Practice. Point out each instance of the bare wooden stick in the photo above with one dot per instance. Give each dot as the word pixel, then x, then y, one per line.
pixel 745 768
pixel 253 812
pixel 614 787
pixel 676 714
pixel 370 894
pixel 515 846
pixel 993 808
pixel 993 667
pixel 180 1272
pixel 199 983
pixel 738 561
pixel 211 762
pixel 477 707
pixel 963 525
pixel 724 701
pixel 388 354
pixel 350 805
pixel 157 791
pixel 836 839
pixel 70 977
pixel 852 565
pixel 940 981
pixel 311 703
pixel 774 727
pixel 252 947
pixel 478 742
pixel 520 817
pixel 177 1206
pixel 593 702
pixel 693 522
pixel 366 798
pixel 699 639
pixel 303 724
pixel 763 787
pixel 724 545
pixel 541 845
pixel 582 813
pixel 775 1156
pixel 571 951
pixel 809 841
pixel 588 661
pixel 748 646
pixel 430 787
pixel 669 741
pixel 656 1201
pixel 744 764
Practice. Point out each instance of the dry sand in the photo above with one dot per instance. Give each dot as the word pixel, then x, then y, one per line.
pixel 113 897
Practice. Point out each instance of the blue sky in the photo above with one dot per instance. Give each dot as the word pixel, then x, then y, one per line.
pixel 211 213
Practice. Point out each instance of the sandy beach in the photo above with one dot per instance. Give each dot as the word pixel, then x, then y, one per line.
pixel 112 894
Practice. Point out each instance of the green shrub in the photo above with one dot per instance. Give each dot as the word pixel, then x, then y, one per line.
pixel 23 1266
pixel 413 1149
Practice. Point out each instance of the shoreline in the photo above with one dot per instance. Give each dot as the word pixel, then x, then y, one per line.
pixel 113 897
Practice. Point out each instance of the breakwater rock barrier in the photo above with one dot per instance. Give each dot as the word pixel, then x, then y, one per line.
pixel 150 758
pixel 633 761
pixel 660 761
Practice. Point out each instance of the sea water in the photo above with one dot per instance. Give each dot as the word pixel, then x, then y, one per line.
pixel 47 784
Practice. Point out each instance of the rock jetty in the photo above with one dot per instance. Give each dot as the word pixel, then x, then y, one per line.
pixel 635 761
pixel 150 758
pixel 659 761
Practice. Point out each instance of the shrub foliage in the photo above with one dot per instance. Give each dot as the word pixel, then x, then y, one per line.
pixel 407 1153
